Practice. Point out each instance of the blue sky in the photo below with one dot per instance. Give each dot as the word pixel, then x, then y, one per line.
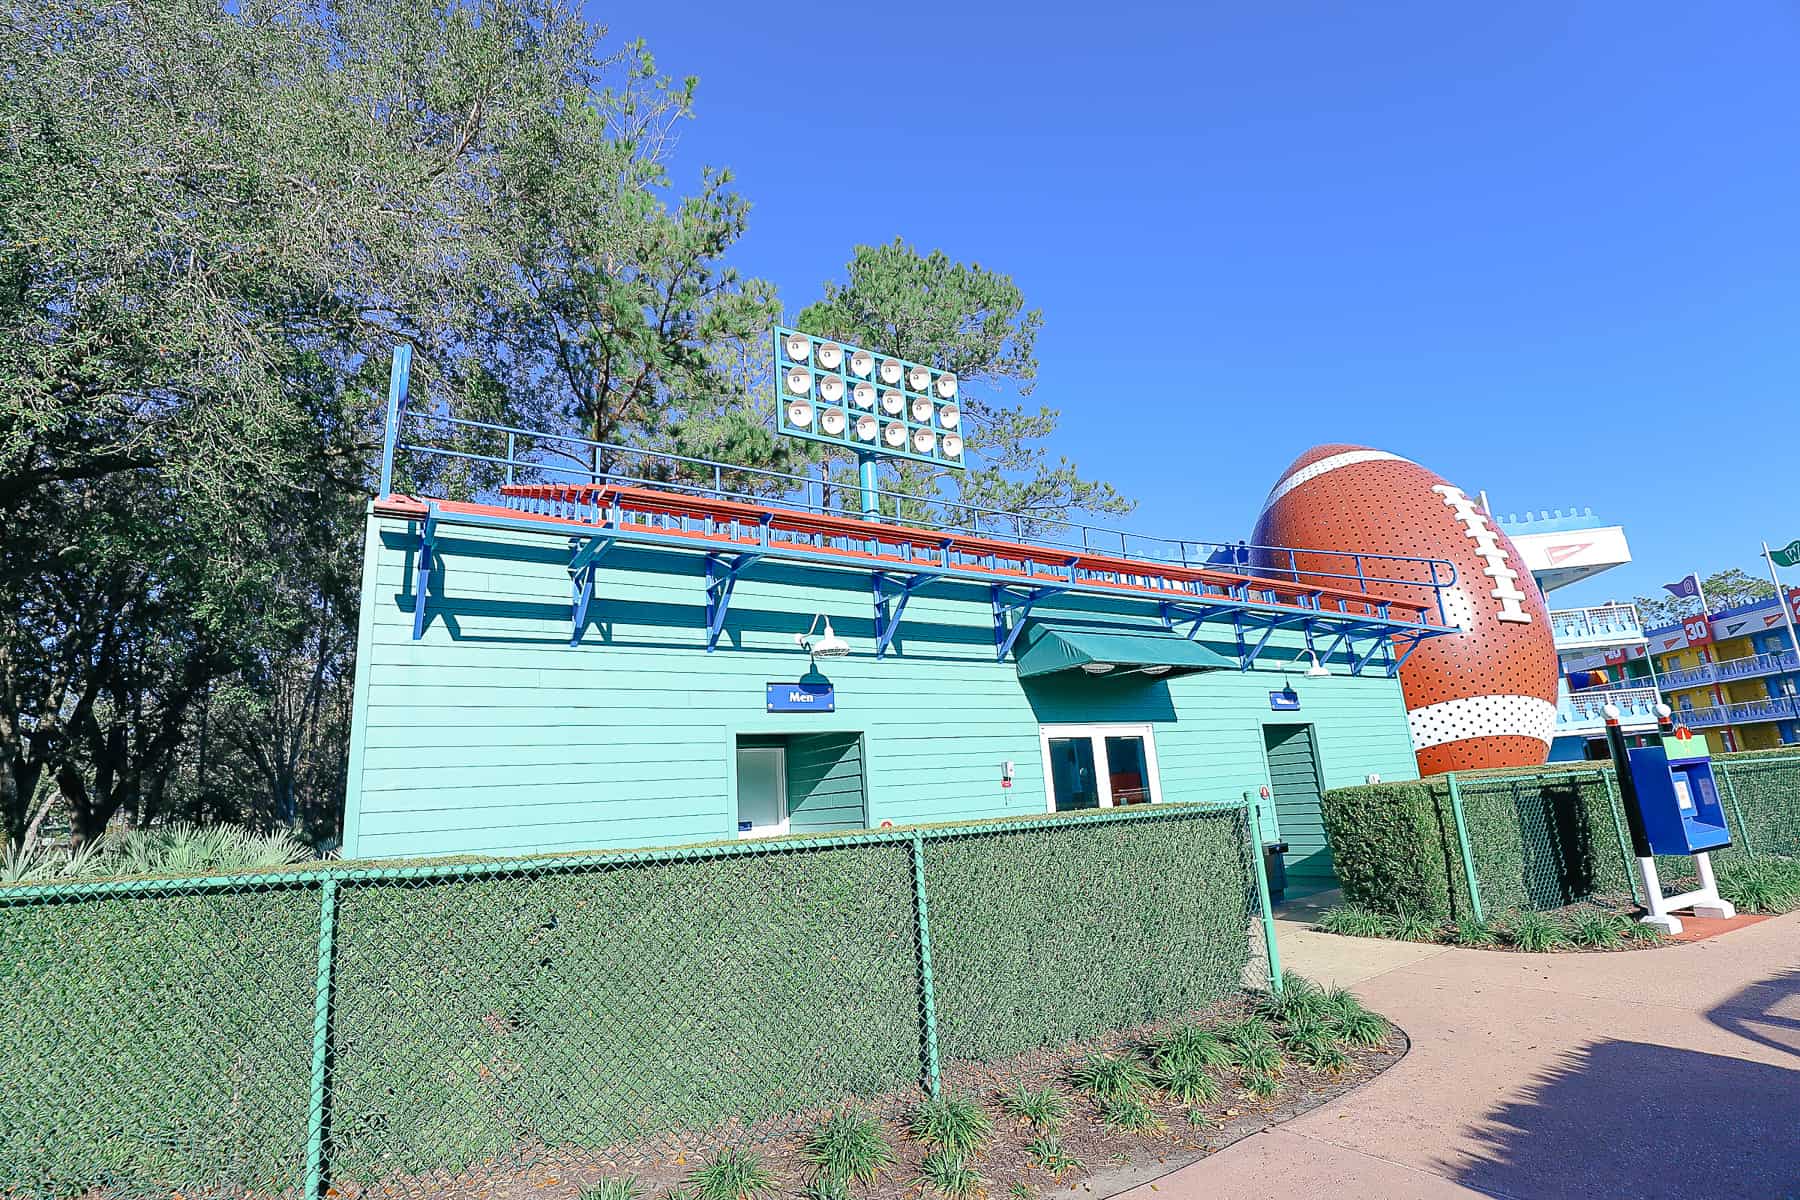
pixel 1547 250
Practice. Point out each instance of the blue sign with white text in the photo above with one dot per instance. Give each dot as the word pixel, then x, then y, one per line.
pixel 801 697
pixel 1285 700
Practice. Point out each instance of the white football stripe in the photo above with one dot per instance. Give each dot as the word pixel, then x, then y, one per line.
pixel 1312 471
pixel 1482 716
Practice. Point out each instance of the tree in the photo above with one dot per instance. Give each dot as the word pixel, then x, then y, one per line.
pixel 1724 589
pixel 963 318
pixel 214 222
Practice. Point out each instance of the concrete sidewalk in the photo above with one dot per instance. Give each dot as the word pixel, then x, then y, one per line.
pixel 1655 1073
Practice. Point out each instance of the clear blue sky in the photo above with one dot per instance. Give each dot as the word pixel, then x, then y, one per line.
pixel 1548 250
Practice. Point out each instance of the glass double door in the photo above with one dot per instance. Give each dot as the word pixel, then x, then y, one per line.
pixel 1099 766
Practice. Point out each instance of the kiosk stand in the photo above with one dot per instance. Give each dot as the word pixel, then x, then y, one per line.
pixel 1671 807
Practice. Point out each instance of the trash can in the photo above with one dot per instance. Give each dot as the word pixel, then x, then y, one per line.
pixel 1275 865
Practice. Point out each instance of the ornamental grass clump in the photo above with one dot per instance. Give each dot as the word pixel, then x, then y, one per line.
pixel 847 1148
pixel 1043 1107
pixel 1413 926
pixel 1129 1113
pixel 1109 1076
pixel 1762 885
pixel 1474 932
pixel 949 1174
pixel 1596 930
pixel 1351 920
pixel 625 1187
pixel 731 1174
pixel 954 1124
pixel 1186 1083
pixel 1190 1047
pixel 1047 1154
pixel 1537 934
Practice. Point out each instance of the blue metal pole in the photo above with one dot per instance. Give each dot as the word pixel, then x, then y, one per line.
pixel 865 477
pixel 398 377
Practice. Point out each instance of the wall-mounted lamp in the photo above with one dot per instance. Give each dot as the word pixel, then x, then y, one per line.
pixel 1318 670
pixel 825 645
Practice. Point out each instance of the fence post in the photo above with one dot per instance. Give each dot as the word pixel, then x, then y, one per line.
pixel 1736 809
pixel 1612 802
pixel 927 989
pixel 1462 842
pixel 321 1047
pixel 1253 838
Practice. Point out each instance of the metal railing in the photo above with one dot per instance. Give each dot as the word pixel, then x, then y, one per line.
pixel 1685 677
pixel 1742 713
pixel 481 457
pixel 1601 625
pixel 1773 663
pixel 1585 708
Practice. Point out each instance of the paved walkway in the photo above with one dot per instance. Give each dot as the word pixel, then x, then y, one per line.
pixel 1655 1073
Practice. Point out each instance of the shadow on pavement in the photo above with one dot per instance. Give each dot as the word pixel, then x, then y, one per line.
pixel 1767 1012
pixel 1617 1118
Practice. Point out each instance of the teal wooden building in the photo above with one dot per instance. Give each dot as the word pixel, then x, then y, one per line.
pixel 611 665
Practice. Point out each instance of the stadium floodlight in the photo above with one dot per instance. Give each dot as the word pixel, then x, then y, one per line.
pixel 866 403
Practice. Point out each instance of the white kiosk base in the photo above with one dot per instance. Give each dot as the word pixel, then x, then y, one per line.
pixel 1704 900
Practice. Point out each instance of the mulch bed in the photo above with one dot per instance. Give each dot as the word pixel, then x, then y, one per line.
pixel 1111 1160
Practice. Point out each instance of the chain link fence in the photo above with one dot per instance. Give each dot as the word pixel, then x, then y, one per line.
pixel 1541 841
pixel 510 1026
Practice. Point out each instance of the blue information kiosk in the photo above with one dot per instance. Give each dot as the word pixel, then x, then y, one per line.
pixel 1672 807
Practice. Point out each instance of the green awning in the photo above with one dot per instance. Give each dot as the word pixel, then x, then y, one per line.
pixel 1049 649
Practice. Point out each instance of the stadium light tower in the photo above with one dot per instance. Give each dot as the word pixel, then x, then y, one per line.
pixel 871 404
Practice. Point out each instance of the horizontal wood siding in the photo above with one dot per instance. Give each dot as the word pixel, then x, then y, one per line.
pixel 492 734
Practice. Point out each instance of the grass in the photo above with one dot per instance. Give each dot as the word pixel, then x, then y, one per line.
pixel 1047 1154
pixel 1762 885
pixel 1109 1076
pixel 1329 1056
pixel 1187 1083
pixel 1260 1058
pixel 1261 1086
pixel 1637 931
pixel 1596 930
pixel 1353 921
pixel 1416 927
pixel 1247 1031
pixel 1475 933
pixel 1352 1024
pixel 848 1147
pixel 955 1125
pixel 1129 1114
pixel 1190 1047
pixel 949 1174
pixel 731 1174
pixel 1043 1107
pixel 624 1187
pixel 1537 934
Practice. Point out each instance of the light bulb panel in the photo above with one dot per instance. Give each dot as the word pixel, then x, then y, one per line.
pixel 865 401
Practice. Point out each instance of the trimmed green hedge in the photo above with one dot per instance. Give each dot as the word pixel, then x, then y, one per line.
pixel 161 1042
pixel 1540 838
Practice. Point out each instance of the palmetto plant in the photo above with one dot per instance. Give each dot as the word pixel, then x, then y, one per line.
pixel 178 849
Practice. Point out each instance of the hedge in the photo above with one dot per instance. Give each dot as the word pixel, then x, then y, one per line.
pixel 1540 838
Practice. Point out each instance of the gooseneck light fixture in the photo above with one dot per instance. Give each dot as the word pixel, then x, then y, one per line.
pixel 822 645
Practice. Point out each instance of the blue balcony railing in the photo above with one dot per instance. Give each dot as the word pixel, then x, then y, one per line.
pixel 1747 713
pixel 1688 677
pixel 1732 668
pixel 1606 625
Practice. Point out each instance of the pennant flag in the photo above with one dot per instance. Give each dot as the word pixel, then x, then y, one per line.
pixel 1788 555
pixel 1688 585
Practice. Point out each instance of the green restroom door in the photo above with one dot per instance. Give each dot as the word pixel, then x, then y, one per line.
pixel 1294 780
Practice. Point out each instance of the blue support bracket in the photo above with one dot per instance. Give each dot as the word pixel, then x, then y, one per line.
pixel 721 582
pixel 422 569
pixel 1375 647
pixel 583 565
pixel 1198 614
pixel 1412 642
pixel 889 609
pixel 1006 628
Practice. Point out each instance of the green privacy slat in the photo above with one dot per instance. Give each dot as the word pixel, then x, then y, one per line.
pixel 412 1030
